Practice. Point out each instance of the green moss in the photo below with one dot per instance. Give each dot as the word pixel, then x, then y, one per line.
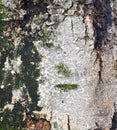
pixel 63 69
pixel 2 126
pixel 67 86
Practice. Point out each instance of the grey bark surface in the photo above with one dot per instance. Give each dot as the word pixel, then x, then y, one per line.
pixel 91 105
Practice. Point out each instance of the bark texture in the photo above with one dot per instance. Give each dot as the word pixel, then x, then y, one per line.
pixel 63 62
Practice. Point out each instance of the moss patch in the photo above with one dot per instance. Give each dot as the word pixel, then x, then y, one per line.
pixel 63 69
pixel 67 86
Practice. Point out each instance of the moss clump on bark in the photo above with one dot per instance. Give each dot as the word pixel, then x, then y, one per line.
pixel 63 69
pixel 67 86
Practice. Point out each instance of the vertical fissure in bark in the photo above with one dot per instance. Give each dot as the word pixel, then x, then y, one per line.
pixel 102 20
pixel 68 123
pixel 86 19
pixel 99 11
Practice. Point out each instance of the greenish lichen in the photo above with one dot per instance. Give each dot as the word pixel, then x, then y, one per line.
pixel 63 69
pixel 28 73
pixel 44 36
pixel 12 120
pixel 1 15
pixel 5 51
pixel 2 24
pixel 67 87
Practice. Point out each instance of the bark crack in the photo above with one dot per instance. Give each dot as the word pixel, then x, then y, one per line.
pixel 101 21
pixel 68 123
pixel 100 13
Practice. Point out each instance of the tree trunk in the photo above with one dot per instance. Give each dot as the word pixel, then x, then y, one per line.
pixel 66 55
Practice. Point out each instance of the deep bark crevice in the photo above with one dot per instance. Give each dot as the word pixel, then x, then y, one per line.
pixel 114 119
pixel 99 11
pixel 102 20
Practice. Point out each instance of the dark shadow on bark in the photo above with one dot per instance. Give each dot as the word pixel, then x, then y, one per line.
pixel 114 119
pixel 6 51
pixel 100 13
pixel 29 70
pixel 102 21
pixel 13 120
